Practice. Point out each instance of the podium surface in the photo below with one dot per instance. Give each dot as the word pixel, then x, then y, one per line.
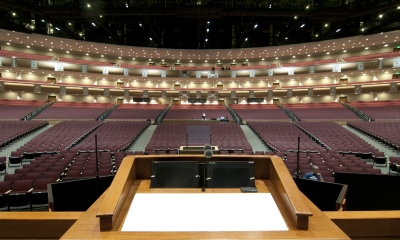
pixel 105 218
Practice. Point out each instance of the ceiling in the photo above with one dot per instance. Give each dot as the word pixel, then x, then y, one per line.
pixel 201 24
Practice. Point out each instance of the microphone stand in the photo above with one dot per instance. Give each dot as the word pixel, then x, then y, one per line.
pixel 187 143
pixel 203 189
pixel 97 167
pixel 298 160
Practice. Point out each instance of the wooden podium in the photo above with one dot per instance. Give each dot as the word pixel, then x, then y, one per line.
pixel 104 219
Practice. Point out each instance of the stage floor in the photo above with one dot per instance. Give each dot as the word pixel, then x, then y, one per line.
pixel 187 212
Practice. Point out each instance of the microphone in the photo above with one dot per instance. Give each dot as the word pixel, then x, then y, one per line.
pixel 208 153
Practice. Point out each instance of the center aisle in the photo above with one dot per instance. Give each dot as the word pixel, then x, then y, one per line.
pixel 253 139
pixel 144 138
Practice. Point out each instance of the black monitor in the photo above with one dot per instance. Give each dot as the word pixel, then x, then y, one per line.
pixel 175 174
pixel 230 174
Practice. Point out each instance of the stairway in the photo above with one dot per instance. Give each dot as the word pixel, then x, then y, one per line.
pixel 254 139
pixel 141 142
pixel 20 142
pixel 380 146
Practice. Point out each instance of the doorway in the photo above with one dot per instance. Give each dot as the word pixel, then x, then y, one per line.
pixel 52 98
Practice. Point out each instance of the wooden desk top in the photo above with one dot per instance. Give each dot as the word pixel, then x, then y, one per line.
pixel 88 226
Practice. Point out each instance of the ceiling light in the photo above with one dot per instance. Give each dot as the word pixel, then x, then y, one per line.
pixel 206 39
pixel 94 24
pixel 295 17
pixel 385 45
pixel 262 59
pixel 366 48
pixel 338 30
pixel 326 24
pixel 308 55
pixel 302 25
pixel 344 50
pixel 380 15
pixel 246 39
pixel 88 5
pixel 150 39
pixel 256 25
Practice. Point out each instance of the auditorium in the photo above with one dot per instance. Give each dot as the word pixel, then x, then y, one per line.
pixel 199 119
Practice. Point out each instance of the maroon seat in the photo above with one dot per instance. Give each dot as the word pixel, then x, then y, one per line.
pixel 51 175
pixel 28 176
pixel 39 195
pixel 72 175
pixel 5 188
pixel 20 194
pixel 13 177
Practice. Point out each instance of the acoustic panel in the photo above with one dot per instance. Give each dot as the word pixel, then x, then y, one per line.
pixel 230 174
pixel 175 174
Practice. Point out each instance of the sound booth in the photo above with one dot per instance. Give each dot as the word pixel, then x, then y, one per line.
pixel 191 174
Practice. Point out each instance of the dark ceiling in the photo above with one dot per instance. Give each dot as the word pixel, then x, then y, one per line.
pixel 201 24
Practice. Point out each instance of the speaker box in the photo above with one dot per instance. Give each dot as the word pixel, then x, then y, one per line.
pixel 230 174
pixel 175 174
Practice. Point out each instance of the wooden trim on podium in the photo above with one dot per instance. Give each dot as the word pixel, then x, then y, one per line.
pixel 36 225
pixel 117 193
pixel 266 167
pixel 368 224
pixel 289 193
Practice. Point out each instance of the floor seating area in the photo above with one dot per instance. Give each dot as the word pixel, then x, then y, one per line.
pixel 13 130
pixel 340 140
pixel 283 136
pixel 196 111
pixel 58 138
pixel 327 111
pixel 112 136
pixel 18 109
pixel 378 110
pixel 27 186
pixel 71 110
pixel 260 112
pixel 168 137
pixel 385 132
pixel 137 111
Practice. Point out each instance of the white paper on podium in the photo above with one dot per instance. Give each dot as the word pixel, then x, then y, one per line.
pixel 182 212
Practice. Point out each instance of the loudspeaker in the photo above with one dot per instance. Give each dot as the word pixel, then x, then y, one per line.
pixel 230 174
pixel 175 174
